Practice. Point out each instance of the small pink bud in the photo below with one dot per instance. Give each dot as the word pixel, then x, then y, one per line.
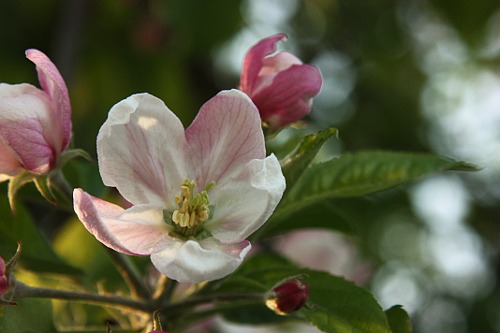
pixel 4 282
pixel 288 297
pixel 35 124
pixel 279 84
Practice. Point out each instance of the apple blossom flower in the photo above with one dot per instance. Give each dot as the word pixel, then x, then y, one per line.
pixel 196 195
pixel 4 281
pixel 35 124
pixel 279 84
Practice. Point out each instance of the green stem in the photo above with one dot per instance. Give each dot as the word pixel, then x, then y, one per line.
pixel 129 274
pixel 162 285
pixel 22 290
pixel 59 181
pixel 229 302
pixel 200 300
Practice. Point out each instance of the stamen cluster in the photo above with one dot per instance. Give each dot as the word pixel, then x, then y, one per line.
pixel 192 210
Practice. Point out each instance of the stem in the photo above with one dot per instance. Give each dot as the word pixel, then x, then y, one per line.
pixel 22 290
pixel 59 181
pixel 129 274
pixel 200 300
pixel 161 286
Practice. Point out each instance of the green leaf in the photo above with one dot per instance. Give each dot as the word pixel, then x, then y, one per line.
pixel 297 161
pixel 398 319
pixel 28 316
pixel 335 305
pixel 358 174
pixel 37 254
pixel 339 306
pixel 73 242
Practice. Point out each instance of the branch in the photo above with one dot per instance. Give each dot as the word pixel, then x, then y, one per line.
pixel 22 290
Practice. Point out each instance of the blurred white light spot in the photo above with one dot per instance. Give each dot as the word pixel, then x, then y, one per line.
pixel 441 202
pixel 339 78
pixel 444 317
pixel 395 284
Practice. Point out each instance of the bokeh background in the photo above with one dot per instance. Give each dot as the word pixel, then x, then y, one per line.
pixel 408 75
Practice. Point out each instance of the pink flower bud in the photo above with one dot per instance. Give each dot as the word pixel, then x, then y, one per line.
pixel 288 297
pixel 279 84
pixel 35 124
pixel 4 282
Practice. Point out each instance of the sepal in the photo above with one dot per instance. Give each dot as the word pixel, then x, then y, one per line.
pixel 70 154
pixel 15 184
pixel 43 186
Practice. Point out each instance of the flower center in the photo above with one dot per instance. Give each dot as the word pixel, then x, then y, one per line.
pixel 192 210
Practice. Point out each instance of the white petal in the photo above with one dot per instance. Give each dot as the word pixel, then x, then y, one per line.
pixel 135 231
pixel 142 151
pixel 225 135
pixel 194 261
pixel 243 203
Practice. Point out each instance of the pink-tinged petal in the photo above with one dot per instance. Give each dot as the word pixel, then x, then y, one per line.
pixel 272 66
pixel 53 84
pixel 244 202
pixel 279 62
pixel 288 98
pixel 196 261
pixel 135 231
pixel 253 61
pixel 2 266
pixel 4 281
pixel 23 126
pixel 9 163
pixel 225 135
pixel 142 151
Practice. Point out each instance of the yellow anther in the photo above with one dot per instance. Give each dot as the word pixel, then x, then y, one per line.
pixel 192 210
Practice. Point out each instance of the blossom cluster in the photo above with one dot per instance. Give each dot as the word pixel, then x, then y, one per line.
pixel 195 194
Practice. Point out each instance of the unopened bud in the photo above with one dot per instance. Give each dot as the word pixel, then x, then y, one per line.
pixel 288 297
pixel 4 281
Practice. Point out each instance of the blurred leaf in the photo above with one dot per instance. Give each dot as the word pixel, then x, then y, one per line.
pixel 28 316
pixel 334 305
pixel 398 319
pixel 358 174
pixel 469 18
pixel 37 254
pixel 323 215
pixel 223 17
pixel 75 243
pixel 297 161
